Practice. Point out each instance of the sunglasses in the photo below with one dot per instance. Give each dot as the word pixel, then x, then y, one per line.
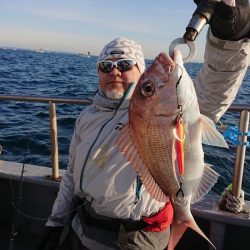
pixel 122 65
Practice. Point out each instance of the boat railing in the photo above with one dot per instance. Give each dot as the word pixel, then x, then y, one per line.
pixel 52 101
pixel 241 146
pixel 242 134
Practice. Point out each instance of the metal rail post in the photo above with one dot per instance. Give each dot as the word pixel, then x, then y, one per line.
pixel 53 138
pixel 240 153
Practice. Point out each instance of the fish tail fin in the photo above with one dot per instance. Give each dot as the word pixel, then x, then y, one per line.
pixel 177 230
pixel 192 224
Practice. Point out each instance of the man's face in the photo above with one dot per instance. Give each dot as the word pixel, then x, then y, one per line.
pixel 115 83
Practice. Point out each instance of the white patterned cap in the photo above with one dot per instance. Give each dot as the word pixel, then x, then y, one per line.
pixel 123 48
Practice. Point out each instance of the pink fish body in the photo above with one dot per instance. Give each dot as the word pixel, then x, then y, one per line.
pixel 164 92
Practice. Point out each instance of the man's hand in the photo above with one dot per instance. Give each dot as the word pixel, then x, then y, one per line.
pixel 231 19
pixel 50 238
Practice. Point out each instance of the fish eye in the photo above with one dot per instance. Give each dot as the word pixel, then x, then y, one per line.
pixel 147 89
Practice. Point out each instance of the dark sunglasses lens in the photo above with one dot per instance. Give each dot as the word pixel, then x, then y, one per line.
pixel 122 65
pixel 125 65
pixel 105 67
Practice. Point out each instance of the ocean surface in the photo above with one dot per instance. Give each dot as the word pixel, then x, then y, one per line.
pixel 24 126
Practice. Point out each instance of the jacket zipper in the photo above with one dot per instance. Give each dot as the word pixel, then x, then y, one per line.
pixel 100 131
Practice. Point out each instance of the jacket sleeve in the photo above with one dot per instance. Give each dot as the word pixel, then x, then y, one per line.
pixel 221 76
pixel 62 204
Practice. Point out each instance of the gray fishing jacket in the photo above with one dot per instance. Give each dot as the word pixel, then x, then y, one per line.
pixel 98 172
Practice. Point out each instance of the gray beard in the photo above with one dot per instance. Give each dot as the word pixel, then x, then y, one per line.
pixel 114 94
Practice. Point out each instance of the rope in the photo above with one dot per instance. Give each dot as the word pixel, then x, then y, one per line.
pixel 231 203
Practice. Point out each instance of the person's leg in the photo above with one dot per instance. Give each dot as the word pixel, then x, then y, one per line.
pixel 71 242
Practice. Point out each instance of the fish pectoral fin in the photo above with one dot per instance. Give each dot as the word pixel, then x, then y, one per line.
pixel 125 143
pixel 210 135
pixel 128 148
pixel 209 178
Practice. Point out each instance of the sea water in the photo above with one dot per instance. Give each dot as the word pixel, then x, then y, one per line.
pixel 24 126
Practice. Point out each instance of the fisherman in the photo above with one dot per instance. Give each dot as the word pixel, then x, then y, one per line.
pixel 114 211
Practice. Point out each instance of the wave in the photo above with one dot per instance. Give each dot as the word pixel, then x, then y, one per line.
pixel 25 126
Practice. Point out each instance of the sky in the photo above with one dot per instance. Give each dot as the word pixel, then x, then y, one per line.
pixel 80 26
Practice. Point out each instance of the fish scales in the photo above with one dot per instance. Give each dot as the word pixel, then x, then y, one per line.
pixel 154 143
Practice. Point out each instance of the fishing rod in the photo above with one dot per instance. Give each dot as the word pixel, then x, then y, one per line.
pixel 18 207
pixel 18 203
pixel 201 16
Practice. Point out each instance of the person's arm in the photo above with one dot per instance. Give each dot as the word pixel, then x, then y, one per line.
pixel 226 61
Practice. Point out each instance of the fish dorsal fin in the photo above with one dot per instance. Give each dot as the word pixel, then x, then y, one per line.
pixel 128 148
pixel 210 135
pixel 209 178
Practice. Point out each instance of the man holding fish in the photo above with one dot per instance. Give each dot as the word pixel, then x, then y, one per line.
pixel 136 161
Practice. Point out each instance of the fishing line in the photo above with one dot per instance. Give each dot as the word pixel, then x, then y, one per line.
pixel 39 218
pixel 16 208
pixel 177 83
pixel 179 146
pixel 16 214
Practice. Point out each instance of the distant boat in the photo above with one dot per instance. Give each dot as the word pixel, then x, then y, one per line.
pixel 85 55
pixel 40 50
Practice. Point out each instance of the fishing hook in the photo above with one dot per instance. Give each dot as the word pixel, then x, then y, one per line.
pixel 179 41
pixel 177 137
pixel 179 198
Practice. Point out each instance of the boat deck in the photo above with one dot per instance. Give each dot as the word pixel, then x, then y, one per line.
pixel 226 230
pixel 23 240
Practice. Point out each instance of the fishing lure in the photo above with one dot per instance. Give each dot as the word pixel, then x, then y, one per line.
pixel 179 146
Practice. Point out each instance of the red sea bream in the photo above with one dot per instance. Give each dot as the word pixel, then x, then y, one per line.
pixel 163 140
